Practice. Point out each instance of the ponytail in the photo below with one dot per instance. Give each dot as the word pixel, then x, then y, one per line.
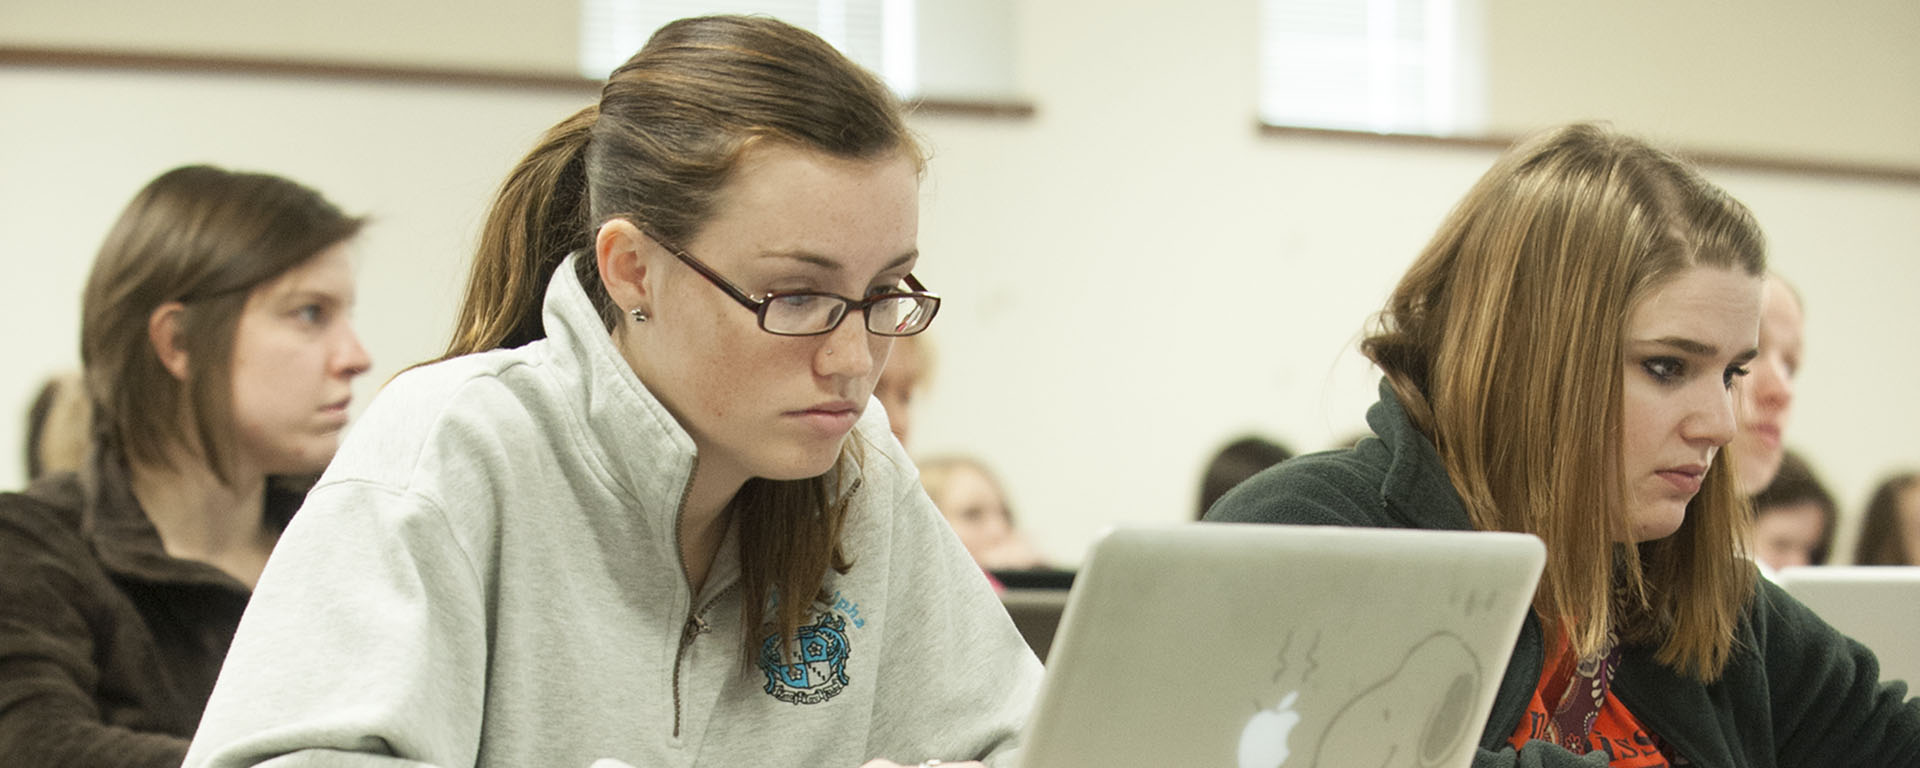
pixel 539 216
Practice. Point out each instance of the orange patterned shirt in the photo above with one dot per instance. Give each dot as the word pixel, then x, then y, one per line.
pixel 1587 717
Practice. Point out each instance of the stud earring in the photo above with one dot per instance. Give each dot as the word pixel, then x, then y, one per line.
pixel 639 315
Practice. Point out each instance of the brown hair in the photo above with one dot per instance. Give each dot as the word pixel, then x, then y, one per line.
pixel 1795 483
pixel 1504 342
pixel 204 237
pixel 1881 540
pixel 671 125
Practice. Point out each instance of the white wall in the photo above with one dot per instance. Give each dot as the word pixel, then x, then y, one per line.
pixel 1133 276
pixel 1774 77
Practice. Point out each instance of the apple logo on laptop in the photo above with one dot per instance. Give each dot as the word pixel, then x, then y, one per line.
pixel 1263 743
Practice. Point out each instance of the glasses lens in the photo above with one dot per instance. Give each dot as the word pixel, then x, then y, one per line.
pixel 803 313
pixel 900 315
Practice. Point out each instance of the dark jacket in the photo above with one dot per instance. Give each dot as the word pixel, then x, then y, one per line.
pixel 1795 693
pixel 108 646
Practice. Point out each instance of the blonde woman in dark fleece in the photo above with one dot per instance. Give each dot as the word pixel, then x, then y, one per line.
pixel 1560 361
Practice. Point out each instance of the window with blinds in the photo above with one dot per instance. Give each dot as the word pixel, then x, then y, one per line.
pixel 879 34
pixel 1388 66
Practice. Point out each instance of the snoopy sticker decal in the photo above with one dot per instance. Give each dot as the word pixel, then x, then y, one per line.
pixel 1409 719
pixel 1412 717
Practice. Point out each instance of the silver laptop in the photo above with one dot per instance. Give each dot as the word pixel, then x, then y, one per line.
pixel 1262 646
pixel 1876 605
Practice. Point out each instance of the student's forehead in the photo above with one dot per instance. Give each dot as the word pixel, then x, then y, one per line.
pixel 1700 300
pixel 327 274
pixel 785 203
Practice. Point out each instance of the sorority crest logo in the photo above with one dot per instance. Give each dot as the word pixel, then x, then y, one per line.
pixel 818 669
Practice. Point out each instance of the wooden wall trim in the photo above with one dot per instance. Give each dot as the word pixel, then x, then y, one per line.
pixel 139 61
pixel 1727 160
pixel 586 87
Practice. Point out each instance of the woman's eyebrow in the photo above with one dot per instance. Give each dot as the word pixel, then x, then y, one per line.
pixel 829 264
pixel 1700 348
pixel 300 295
pixel 1684 344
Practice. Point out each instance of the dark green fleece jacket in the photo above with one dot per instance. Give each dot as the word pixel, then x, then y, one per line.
pixel 1796 693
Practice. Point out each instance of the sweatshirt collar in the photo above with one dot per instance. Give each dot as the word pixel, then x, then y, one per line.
pixel 638 443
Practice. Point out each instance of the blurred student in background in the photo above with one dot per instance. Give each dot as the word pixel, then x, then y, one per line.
pixel 1234 463
pixel 973 502
pixel 1890 532
pixel 909 370
pixel 967 493
pixel 1793 519
pixel 1766 392
pixel 218 353
pixel 58 424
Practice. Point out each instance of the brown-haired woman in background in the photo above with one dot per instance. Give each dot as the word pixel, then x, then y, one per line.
pixel 649 519
pixel 218 355
pixel 1794 517
pixel 1236 461
pixel 1890 532
pixel 1558 362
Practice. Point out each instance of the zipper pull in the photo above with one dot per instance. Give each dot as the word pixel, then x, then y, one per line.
pixel 696 626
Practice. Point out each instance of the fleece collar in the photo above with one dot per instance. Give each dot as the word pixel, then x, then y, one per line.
pixel 1416 479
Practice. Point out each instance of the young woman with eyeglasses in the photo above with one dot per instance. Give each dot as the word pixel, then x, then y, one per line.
pixel 643 511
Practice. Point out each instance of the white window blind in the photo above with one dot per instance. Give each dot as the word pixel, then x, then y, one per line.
pixel 878 34
pixel 1390 66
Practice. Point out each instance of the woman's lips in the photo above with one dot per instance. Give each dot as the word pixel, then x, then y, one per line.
pixel 1686 480
pixel 828 418
pixel 336 412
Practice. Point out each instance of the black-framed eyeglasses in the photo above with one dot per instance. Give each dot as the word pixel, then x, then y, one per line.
pixel 811 313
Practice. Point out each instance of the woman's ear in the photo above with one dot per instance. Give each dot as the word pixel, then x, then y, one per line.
pixel 163 332
pixel 621 250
